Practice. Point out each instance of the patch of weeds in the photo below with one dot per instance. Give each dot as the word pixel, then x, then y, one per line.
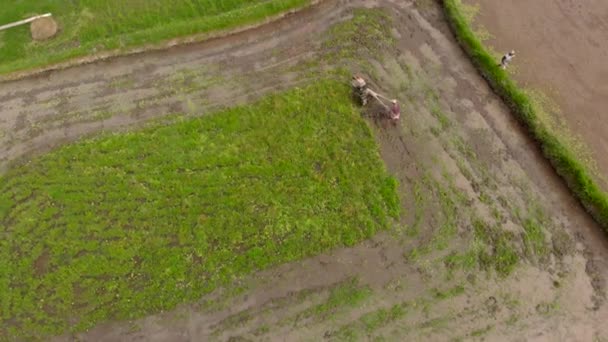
pixel 416 253
pixel 468 155
pixel 464 148
pixel 465 261
pixel 447 294
pixel 482 331
pixel 534 238
pixel 548 308
pixel 562 243
pixel 367 33
pixel 420 204
pixel 121 83
pixel 534 223
pixel 435 131
pixel 345 295
pixel 187 81
pixel 464 169
pixel 101 115
pixel 424 4
pixel 395 285
pixel 262 330
pixel 439 114
pixel 448 198
pixel 500 253
pixel 369 323
pixel 233 321
pixel 503 202
pixel 51 102
pixel 225 300
pixel 517 214
pixel 497 215
pixel 510 301
pixel 436 323
pixel 485 198
pixel 446 201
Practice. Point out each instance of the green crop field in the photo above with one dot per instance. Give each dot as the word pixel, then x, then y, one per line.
pixel 89 26
pixel 127 224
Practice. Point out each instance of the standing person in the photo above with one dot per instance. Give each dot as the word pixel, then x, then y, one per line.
pixel 506 59
pixel 395 110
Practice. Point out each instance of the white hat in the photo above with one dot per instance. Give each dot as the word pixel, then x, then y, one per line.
pixel 394 101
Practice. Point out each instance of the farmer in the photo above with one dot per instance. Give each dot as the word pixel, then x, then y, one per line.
pixel 506 59
pixel 395 110
pixel 360 87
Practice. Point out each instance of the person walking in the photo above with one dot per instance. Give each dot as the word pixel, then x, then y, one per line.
pixel 395 111
pixel 506 59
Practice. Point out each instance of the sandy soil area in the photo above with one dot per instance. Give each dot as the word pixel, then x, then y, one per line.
pixel 457 152
pixel 563 51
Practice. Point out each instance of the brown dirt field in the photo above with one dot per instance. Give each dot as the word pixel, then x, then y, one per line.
pixel 457 152
pixel 563 51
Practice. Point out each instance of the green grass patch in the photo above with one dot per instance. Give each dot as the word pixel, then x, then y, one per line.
pixel 492 249
pixel 128 224
pixel 89 26
pixel 449 199
pixel 500 253
pixel 534 238
pixel 576 174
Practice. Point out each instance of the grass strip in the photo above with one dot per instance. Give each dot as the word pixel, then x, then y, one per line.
pixel 576 175
pixel 89 27
pixel 125 225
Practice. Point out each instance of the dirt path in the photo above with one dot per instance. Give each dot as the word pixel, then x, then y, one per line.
pixel 47 110
pixel 562 50
pixel 459 156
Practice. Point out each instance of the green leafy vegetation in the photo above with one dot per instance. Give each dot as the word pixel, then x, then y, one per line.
pixel 493 248
pixel 127 224
pixel 576 174
pixel 89 26
pixel 500 254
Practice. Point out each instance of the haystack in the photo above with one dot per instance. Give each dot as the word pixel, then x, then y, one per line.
pixel 43 28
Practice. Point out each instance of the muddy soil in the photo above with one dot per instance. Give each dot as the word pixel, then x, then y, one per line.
pixel 562 50
pixel 458 154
